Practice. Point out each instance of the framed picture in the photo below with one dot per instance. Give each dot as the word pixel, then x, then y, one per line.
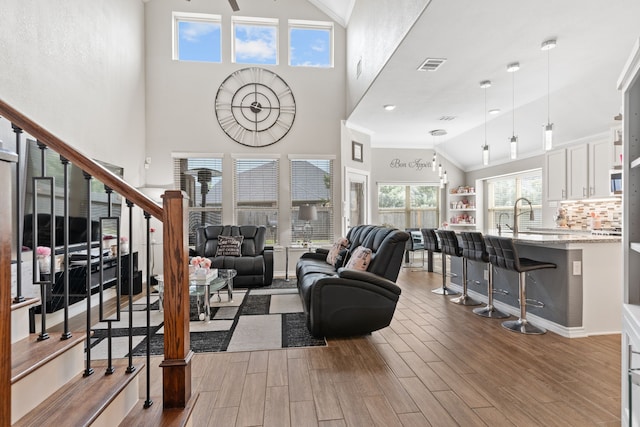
pixel 356 151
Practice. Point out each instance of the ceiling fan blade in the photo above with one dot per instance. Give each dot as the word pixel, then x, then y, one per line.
pixel 234 5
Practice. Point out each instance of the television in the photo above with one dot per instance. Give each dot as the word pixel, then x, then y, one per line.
pixel 101 205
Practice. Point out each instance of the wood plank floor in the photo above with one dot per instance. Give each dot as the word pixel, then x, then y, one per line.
pixel 438 364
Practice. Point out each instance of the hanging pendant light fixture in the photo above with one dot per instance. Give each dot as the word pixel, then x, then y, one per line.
pixel 435 133
pixel 485 148
pixel 435 157
pixel 513 141
pixel 548 128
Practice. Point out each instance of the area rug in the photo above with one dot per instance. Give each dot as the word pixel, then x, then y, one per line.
pixel 256 319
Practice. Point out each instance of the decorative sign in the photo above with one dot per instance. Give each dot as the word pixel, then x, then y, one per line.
pixel 417 164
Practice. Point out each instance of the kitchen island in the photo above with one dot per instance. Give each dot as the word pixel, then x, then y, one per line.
pixel 582 296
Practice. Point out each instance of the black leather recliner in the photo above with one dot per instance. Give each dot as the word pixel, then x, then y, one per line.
pixel 347 302
pixel 254 266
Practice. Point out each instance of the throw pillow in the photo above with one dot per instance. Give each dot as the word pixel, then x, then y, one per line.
pixel 360 259
pixel 229 245
pixel 338 245
pixel 340 259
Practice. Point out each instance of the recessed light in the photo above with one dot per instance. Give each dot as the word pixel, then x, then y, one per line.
pixel 494 111
pixel 513 67
pixel 485 84
pixel 389 107
pixel 438 132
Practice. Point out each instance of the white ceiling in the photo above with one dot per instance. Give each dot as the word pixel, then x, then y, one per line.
pixel 479 39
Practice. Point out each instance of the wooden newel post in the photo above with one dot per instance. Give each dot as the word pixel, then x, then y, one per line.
pixel 6 158
pixel 176 374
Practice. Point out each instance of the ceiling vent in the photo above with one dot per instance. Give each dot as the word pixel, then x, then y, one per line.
pixel 447 118
pixel 431 64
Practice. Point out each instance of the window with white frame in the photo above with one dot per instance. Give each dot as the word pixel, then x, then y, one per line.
pixel 197 37
pixel 255 40
pixel 311 194
pixel 409 205
pixel 502 193
pixel 201 179
pixel 310 44
pixel 256 194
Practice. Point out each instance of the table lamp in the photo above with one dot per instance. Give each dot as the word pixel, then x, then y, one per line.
pixel 307 213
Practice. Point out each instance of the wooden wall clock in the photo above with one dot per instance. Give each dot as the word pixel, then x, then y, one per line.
pixel 255 107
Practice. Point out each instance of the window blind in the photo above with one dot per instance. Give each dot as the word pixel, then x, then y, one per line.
pixel 312 184
pixel 256 194
pixel 201 179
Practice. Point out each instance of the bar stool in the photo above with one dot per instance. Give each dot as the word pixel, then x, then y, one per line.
pixel 449 246
pixel 415 243
pixel 503 254
pixel 431 245
pixel 474 249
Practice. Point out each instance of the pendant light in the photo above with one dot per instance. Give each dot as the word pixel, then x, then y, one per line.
pixel 442 174
pixel 485 148
pixel 513 141
pixel 548 128
pixel 435 157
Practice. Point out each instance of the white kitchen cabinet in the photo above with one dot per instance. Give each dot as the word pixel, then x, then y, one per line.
pixel 588 168
pixel 578 168
pixel 599 167
pixel 556 174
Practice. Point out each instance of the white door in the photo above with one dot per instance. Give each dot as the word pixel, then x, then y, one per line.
pixel 356 209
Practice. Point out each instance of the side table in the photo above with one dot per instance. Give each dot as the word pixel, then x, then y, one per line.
pixel 286 257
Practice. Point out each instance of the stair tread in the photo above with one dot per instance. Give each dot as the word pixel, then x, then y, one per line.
pixel 156 416
pixel 83 399
pixel 29 354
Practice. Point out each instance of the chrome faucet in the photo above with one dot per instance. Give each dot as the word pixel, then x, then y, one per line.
pixel 500 222
pixel 516 214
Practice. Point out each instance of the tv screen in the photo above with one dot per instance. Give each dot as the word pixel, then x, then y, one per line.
pixel 77 199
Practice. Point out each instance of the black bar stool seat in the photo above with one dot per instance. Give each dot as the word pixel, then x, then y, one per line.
pixel 474 249
pixel 503 254
pixel 449 246
pixel 431 245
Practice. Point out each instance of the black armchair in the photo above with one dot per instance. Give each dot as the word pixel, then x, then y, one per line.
pixel 254 265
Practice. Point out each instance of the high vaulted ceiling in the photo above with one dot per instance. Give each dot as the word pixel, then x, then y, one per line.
pixel 478 40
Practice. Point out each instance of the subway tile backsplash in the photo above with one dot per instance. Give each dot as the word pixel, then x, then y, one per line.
pixel 579 213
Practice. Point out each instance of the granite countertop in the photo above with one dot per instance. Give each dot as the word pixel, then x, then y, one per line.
pixel 529 237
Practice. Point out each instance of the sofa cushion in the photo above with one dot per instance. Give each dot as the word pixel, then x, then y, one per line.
pixel 229 245
pixel 360 259
pixel 341 259
pixel 338 245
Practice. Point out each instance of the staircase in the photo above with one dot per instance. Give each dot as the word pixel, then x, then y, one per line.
pixel 49 379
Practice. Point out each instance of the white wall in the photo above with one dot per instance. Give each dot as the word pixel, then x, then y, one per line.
pixel 375 30
pixel 409 166
pixel 77 68
pixel 181 96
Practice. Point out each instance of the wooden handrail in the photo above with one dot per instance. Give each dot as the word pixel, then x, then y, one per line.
pixel 82 161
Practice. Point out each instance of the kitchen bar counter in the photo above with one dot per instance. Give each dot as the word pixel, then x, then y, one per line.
pixel 582 296
pixel 533 238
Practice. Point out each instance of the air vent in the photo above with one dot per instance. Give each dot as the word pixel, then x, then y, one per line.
pixel 447 118
pixel 431 64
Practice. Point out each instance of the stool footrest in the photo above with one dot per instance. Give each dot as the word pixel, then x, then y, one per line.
pixel 533 303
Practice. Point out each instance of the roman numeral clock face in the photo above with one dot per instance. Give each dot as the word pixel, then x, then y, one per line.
pixel 255 107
